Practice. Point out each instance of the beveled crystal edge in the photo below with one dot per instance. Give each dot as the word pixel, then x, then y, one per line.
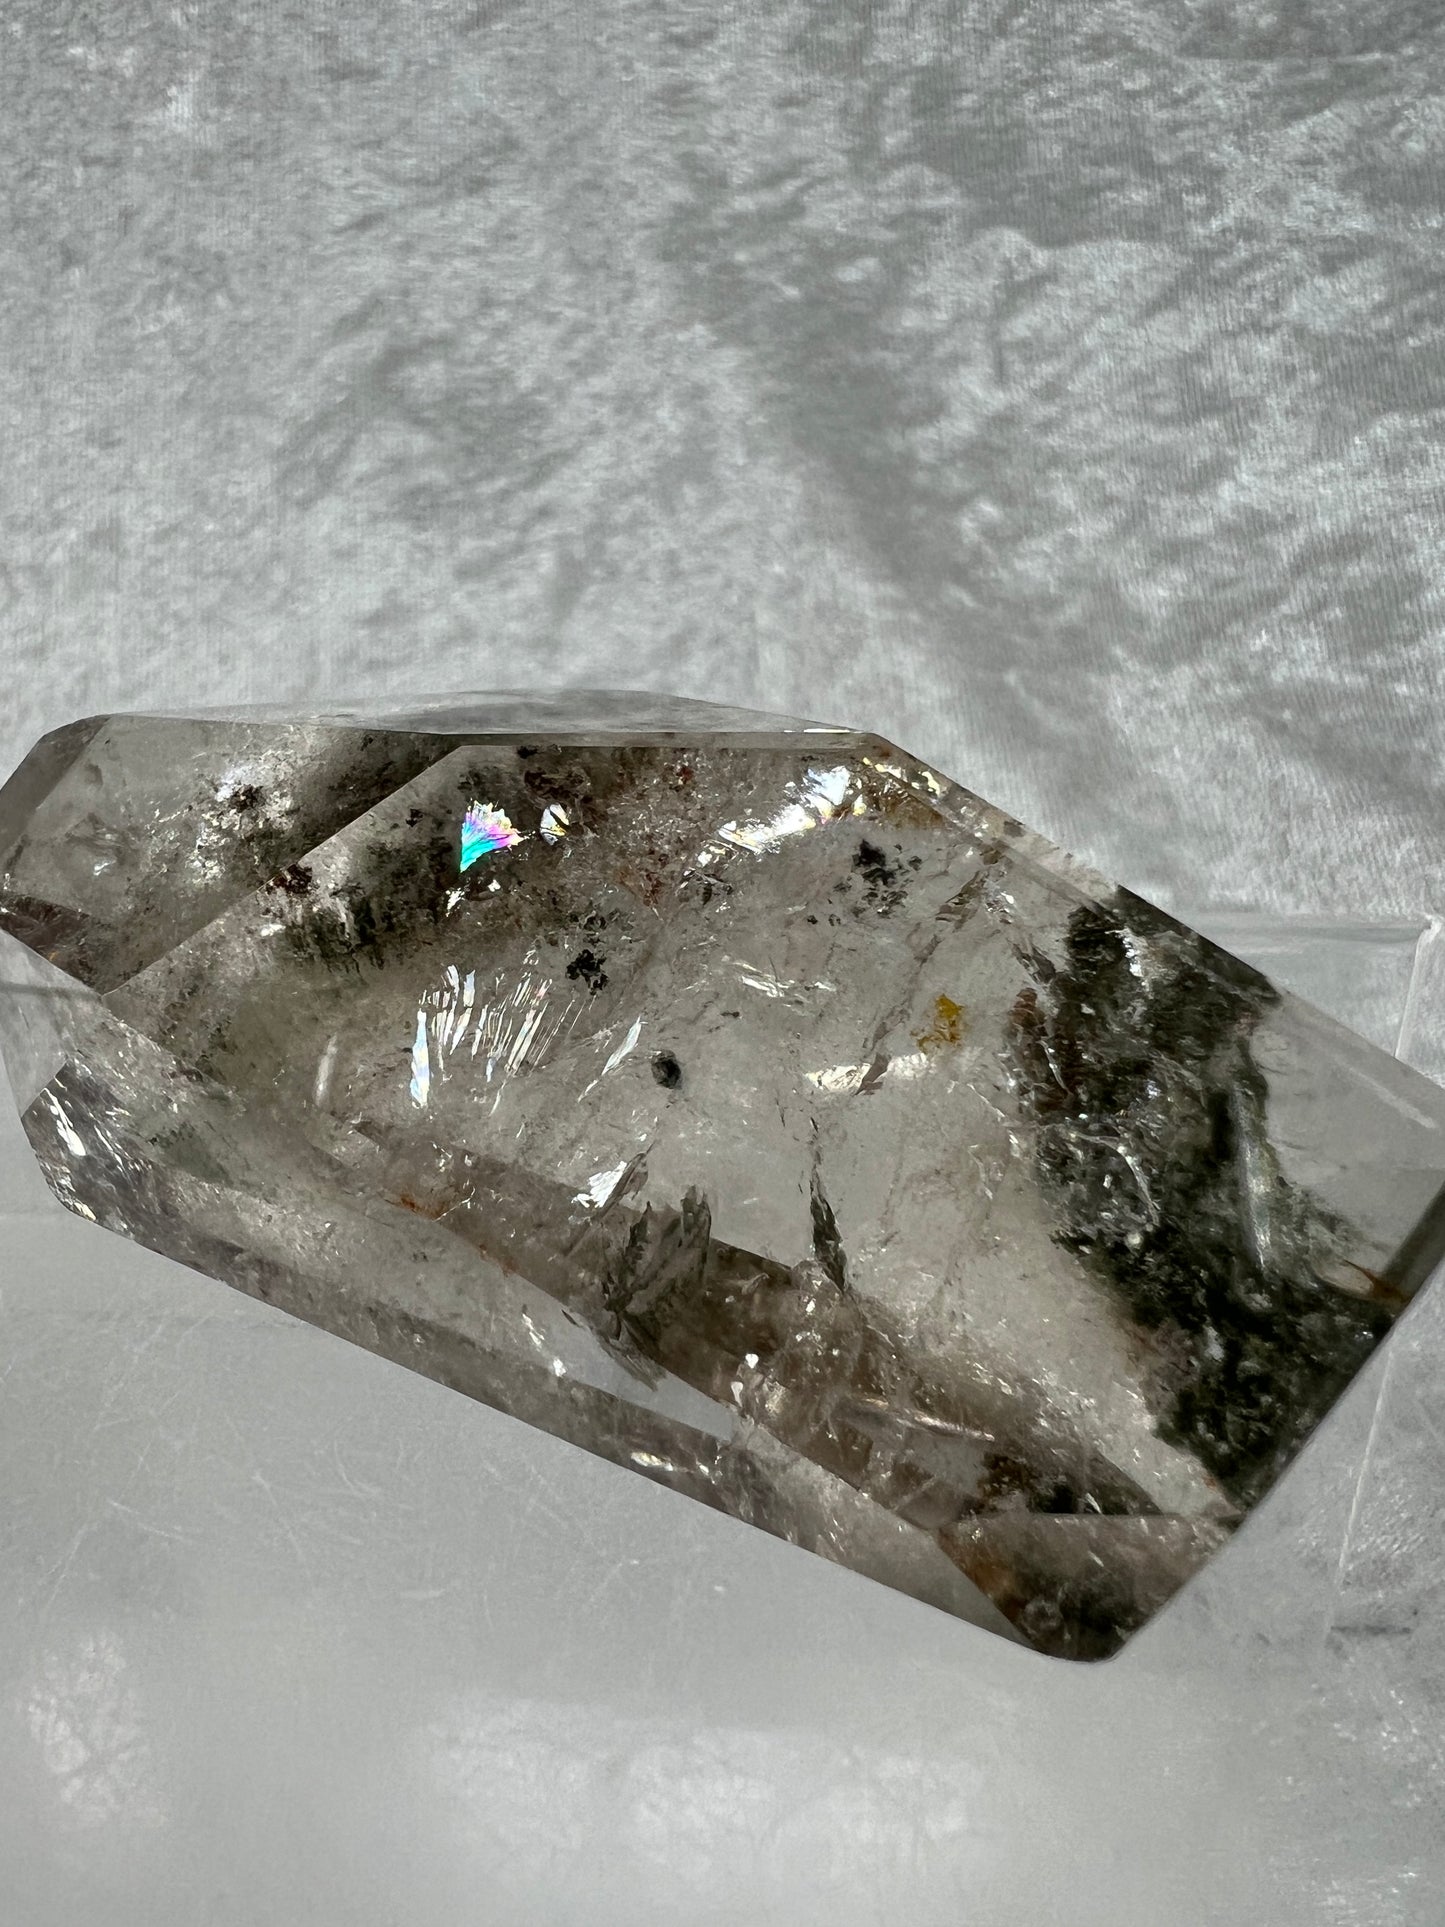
pixel 438 714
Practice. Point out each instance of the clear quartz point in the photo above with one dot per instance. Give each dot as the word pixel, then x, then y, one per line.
pixel 732 1096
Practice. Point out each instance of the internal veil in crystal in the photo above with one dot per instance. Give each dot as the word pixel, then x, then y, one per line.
pixel 729 1095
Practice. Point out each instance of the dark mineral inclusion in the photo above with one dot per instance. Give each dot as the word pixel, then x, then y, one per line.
pixel 729 1095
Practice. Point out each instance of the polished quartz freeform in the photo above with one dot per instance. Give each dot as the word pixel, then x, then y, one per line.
pixel 731 1096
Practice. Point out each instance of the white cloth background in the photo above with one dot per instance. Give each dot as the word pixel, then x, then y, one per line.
pixel 1059 389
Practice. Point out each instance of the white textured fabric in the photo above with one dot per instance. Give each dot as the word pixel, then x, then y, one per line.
pixel 1059 388
pixel 1056 387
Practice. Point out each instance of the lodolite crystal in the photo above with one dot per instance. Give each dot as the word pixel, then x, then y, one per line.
pixel 729 1095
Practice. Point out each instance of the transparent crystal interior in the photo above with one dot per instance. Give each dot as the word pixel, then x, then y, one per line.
pixel 734 1097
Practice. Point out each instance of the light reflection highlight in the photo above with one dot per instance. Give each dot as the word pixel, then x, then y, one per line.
pixel 601 1187
pixel 85 1718
pixel 816 800
pixel 69 1136
pixel 420 1064
pixel 840 1079
pixel 513 1027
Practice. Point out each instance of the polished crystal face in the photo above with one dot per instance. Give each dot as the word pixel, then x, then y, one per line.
pixel 732 1096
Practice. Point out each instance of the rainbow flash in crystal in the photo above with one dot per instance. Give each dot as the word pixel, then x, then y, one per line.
pixel 484 829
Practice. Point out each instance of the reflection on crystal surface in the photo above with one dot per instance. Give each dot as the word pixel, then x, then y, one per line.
pixel 84 1720
pixel 733 1097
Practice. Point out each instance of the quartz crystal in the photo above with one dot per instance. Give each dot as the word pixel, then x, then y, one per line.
pixel 729 1095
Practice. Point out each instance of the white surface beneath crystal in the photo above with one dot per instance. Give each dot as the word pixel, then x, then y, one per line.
pixel 289 1635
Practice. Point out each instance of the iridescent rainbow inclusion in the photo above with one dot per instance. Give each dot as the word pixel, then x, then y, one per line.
pixel 484 829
